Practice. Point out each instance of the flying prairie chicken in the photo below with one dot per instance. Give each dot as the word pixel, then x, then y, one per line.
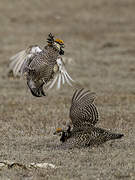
pixel 41 66
pixel 84 116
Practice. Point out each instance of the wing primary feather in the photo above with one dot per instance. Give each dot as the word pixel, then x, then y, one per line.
pixel 82 94
pixel 59 82
pixel 68 76
pixel 12 64
pixel 19 67
pixel 19 64
pixel 53 82
pixel 19 60
pixel 14 59
pixel 17 55
pixel 63 79
pixel 82 110
pixel 67 80
pixel 75 97
pixel 95 114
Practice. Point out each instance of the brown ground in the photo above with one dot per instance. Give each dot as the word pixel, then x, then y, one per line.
pixel 100 36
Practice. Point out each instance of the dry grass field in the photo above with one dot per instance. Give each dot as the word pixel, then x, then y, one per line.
pixel 99 36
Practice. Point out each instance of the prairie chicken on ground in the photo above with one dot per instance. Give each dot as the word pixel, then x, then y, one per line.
pixel 84 116
pixel 41 65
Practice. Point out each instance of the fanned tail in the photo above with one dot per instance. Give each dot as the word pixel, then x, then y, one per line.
pixel 83 95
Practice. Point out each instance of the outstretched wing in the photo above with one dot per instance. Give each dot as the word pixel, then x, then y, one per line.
pixel 61 75
pixel 82 110
pixel 19 60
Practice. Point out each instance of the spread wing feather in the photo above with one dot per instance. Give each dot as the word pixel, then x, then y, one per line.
pixel 21 59
pixel 82 110
pixel 24 62
pixel 61 76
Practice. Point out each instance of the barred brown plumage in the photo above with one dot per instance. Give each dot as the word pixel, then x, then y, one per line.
pixel 82 108
pixel 41 65
pixel 40 70
pixel 84 116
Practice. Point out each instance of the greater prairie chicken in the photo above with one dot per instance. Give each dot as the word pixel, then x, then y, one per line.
pixel 41 66
pixel 84 116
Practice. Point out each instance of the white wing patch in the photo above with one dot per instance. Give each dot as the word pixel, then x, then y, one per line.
pixel 61 76
pixel 19 60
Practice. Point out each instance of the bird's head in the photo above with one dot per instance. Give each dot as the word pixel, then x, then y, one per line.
pixel 65 134
pixel 57 43
pixel 58 131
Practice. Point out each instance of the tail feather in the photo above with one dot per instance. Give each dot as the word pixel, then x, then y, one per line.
pixel 105 135
pixel 116 136
pixel 82 95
